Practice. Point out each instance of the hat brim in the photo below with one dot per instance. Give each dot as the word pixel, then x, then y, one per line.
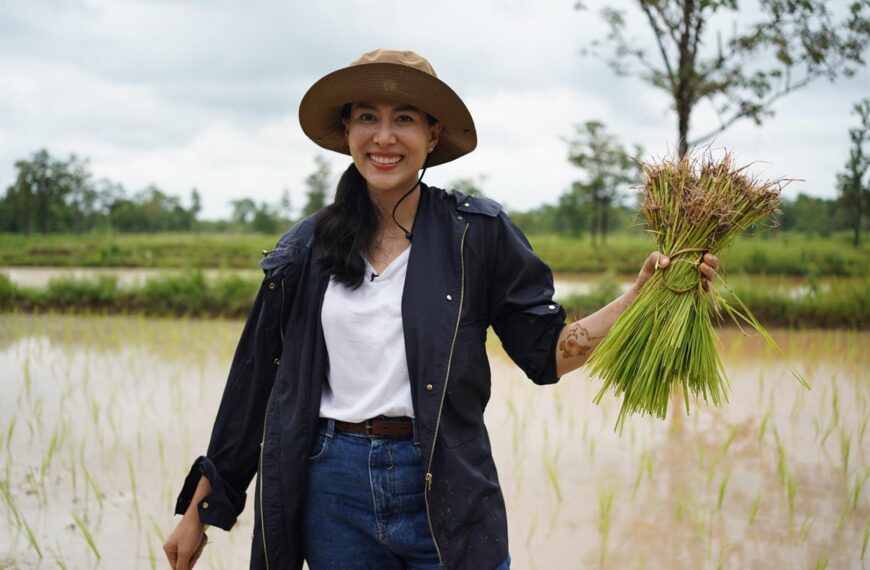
pixel 320 109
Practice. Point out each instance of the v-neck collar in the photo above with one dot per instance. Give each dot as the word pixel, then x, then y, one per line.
pixel 371 269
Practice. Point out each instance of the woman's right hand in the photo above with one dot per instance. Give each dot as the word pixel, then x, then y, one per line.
pixel 184 546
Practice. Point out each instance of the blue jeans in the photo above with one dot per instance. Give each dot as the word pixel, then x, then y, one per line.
pixel 364 505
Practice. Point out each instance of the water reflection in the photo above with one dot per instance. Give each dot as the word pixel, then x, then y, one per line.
pixel 106 414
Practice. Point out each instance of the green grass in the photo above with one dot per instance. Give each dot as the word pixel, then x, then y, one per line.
pixel 841 303
pixel 766 253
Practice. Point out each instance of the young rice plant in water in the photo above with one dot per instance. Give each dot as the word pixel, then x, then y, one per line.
pixel 665 339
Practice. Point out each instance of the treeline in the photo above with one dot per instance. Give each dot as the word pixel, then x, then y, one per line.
pixel 52 195
pixel 60 196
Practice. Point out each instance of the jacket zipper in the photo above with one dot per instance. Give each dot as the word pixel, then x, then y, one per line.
pixel 260 475
pixel 263 441
pixel 444 392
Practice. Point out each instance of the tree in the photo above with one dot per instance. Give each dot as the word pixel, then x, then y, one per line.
pixel 318 186
pixel 244 210
pixel 265 221
pixel 49 195
pixel 195 204
pixel 609 170
pixel 792 44
pixel 468 186
pixel 854 189
pixel 285 205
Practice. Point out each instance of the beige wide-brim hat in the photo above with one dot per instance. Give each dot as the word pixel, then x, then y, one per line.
pixel 387 75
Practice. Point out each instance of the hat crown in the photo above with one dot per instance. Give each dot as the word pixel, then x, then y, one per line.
pixel 404 57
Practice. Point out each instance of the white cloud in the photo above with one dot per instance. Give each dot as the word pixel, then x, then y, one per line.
pixel 205 94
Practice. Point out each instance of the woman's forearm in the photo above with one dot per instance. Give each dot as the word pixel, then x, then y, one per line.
pixel 577 340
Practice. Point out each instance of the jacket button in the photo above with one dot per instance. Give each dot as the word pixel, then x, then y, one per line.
pixel 204 505
pixel 449 297
pixel 272 285
pixel 552 307
pixel 277 360
pixel 466 204
pixel 458 217
pixel 429 387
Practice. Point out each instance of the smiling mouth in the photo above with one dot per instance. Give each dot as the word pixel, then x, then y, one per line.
pixel 385 160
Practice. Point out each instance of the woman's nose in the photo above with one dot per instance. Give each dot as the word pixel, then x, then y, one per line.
pixel 384 134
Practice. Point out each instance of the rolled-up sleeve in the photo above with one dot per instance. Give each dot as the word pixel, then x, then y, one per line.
pixel 522 311
pixel 221 506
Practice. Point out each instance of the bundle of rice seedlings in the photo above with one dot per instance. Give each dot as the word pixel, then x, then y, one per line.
pixel 665 340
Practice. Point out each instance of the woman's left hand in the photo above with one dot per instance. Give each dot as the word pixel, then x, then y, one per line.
pixel 709 268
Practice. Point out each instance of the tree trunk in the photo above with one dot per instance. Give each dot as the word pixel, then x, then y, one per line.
pixel 685 75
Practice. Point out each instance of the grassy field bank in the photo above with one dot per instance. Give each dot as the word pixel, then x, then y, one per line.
pixel 828 303
pixel 787 254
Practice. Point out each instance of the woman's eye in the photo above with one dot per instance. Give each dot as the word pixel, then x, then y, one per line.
pixel 405 119
pixel 366 117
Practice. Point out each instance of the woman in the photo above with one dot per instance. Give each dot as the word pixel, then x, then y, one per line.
pixel 358 387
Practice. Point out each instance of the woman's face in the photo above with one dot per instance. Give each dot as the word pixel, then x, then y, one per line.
pixel 389 142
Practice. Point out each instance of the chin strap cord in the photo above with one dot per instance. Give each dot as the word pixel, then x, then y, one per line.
pixel 408 234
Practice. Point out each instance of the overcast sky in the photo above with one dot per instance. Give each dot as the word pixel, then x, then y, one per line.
pixel 205 93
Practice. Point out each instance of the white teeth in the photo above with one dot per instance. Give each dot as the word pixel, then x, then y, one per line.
pixel 385 160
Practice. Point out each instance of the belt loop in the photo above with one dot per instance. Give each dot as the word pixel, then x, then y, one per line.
pixel 416 433
pixel 330 428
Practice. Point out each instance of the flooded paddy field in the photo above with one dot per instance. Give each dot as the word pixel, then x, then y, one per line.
pixel 101 417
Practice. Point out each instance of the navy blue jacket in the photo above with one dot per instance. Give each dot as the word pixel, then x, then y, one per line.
pixel 469 268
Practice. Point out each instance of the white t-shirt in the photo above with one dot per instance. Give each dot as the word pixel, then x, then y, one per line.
pixel 368 369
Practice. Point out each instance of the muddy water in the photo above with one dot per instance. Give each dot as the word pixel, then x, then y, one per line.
pixel 106 415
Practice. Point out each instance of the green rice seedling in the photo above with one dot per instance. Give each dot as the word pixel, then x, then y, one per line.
pixel 806 525
pixel 723 486
pixel 827 434
pixel 31 536
pixel 533 525
pixel 553 476
pixel 10 431
pixel 155 528
pixel 152 556
pixel 11 505
pixel 845 448
pixel 91 482
pixel 762 428
pixel 28 378
pixel 605 506
pixel 791 492
pixel 861 429
pixel 797 406
pixel 822 562
pixel 860 480
pixel 644 468
pixel 866 536
pixel 664 343
pixel 133 491
pixel 89 538
pixel 58 556
pixel 753 509
pixel 781 464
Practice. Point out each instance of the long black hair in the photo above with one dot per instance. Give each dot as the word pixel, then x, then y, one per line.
pixel 344 229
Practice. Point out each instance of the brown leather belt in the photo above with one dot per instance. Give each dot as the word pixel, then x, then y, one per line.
pixel 378 427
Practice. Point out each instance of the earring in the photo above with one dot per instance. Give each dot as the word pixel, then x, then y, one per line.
pixel 431 148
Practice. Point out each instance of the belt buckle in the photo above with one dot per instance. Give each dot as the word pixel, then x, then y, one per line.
pixel 369 428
